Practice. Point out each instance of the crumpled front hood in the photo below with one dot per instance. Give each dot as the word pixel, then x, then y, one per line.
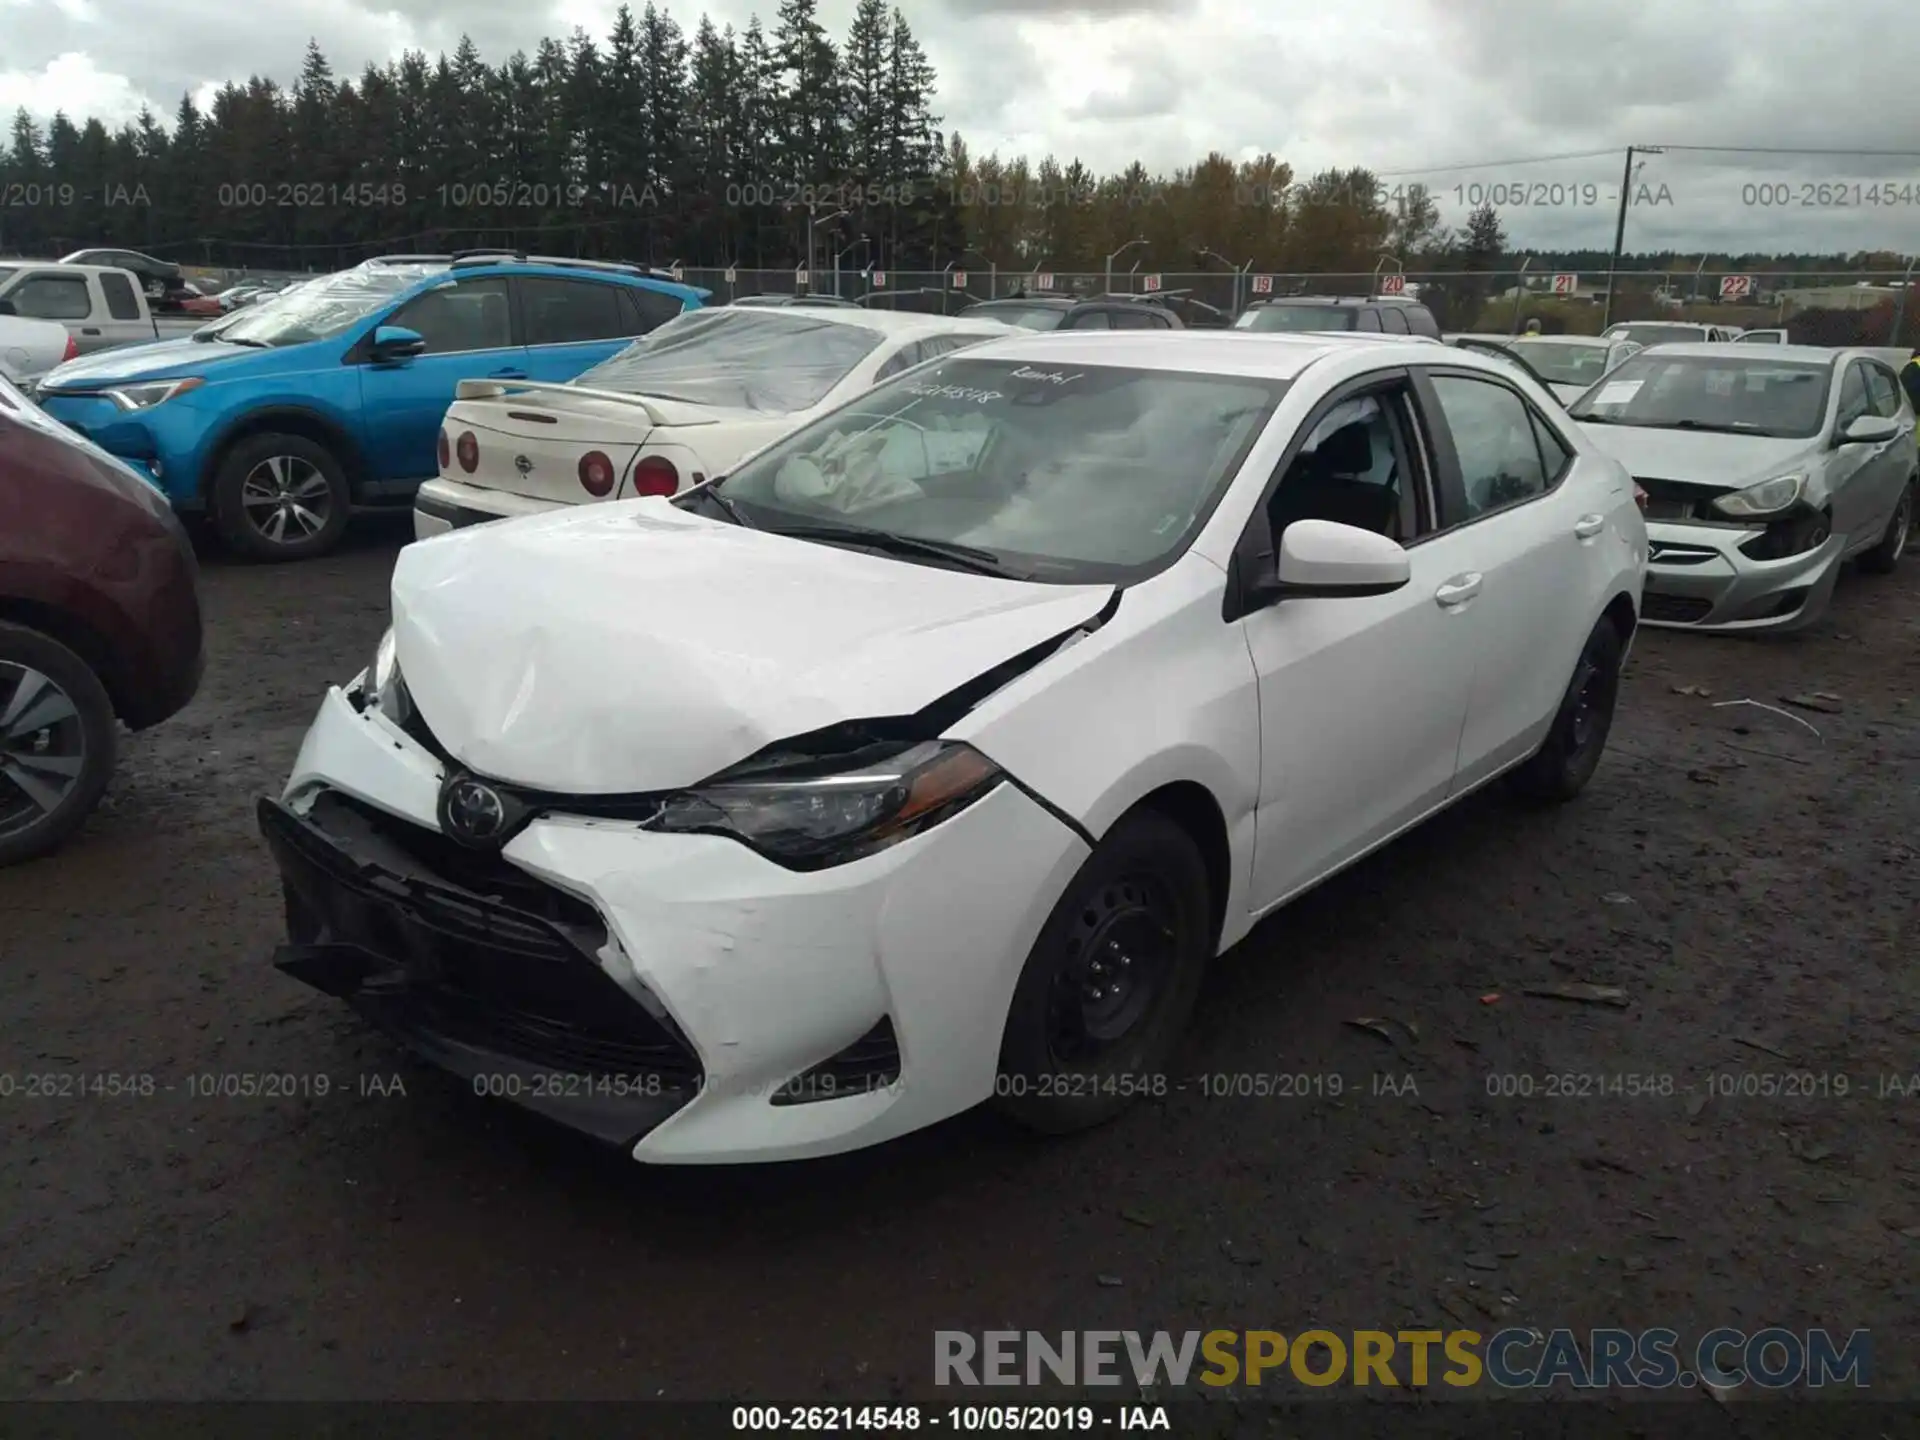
pixel 1700 457
pixel 632 646
pixel 160 360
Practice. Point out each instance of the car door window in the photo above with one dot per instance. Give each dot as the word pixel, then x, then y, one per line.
pixel 1366 320
pixel 1089 320
pixel 1494 437
pixel 1854 401
pixel 1392 322
pixel 52 297
pixel 566 312
pixel 1138 319
pixel 1884 392
pixel 1354 469
pixel 472 315
pixel 122 303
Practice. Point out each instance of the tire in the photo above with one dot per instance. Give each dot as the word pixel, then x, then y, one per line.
pixel 1560 769
pixel 52 776
pixel 269 492
pixel 1883 557
pixel 1072 1057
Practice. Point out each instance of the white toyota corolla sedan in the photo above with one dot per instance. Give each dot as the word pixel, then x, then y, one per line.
pixel 929 756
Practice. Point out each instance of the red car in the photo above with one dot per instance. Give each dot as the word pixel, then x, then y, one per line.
pixel 99 622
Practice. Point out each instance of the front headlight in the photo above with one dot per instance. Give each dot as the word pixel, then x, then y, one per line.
pixel 1769 497
pixel 809 822
pixel 380 684
pixel 145 397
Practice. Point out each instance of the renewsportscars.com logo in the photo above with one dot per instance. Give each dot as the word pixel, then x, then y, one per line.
pixel 1512 1359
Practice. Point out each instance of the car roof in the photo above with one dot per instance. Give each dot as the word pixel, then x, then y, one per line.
pixel 1560 339
pixel 1266 354
pixel 886 322
pixel 1049 302
pixel 1341 300
pixel 1721 349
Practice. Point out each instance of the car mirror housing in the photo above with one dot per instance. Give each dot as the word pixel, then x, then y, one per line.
pixel 6 308
pixel 1868 430
pixel 396 342
pixel 1325 559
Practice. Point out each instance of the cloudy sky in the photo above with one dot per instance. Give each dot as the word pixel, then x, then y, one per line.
pixel 1472 97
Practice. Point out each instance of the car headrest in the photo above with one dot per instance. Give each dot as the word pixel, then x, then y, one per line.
pixel 1347 451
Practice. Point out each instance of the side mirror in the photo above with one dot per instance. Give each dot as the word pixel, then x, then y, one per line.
pixel 1320 559
pixel 6 308
pixel 396 342
pixel 1869 430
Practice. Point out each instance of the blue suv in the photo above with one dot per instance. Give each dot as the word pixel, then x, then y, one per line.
pixel 282 419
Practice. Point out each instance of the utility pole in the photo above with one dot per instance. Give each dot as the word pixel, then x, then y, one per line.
pixel 1620 227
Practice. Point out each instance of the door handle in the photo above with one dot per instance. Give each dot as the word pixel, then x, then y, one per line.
pixel 507 374
pixel 89 329
pixel 1588 526
pixel 1458 590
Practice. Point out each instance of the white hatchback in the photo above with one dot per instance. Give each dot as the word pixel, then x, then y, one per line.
pixel 929 757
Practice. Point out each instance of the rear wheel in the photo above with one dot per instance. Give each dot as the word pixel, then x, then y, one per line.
pixel 1111 983
pixel 1563 765
pixel 1883 557
pixel 280 497
pixel 57 742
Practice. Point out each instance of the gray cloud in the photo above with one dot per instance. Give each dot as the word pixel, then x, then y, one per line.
pixel 1445 83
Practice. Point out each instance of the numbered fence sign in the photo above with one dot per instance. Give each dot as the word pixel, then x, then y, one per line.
pixel 1566 284
pixel 677 273
pixel 1735 287
pixel 1393 284
pixel 799 277
pixel 1043 281
pixel 1150 284
pixel 1263 284
pixel 959 279
pixel 879 279
pixel 730 275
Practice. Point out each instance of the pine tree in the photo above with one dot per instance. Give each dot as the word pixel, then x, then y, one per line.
pixel 813 131
pixel 662 118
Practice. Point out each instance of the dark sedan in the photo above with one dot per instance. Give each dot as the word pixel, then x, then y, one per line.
pixel 99 622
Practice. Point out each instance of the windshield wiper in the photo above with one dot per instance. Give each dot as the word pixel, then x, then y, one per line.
pixel 726 506
pixel 967 557
pixel 1728 427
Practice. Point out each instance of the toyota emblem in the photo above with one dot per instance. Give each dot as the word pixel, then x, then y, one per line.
pixel 472 812
pixel 523 464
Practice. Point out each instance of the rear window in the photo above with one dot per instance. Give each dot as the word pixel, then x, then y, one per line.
pixel 1028 317
pixel 774 361
pixel 1298 317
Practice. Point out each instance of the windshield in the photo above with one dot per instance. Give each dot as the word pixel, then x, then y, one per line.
pixel 325 308
pixel 1659 334
pixel 774 360
pixel 1296 317
pixel 1782 399
pixel 1761 337
pixel 1562 364
pixel 1075 475
pixel 1027 317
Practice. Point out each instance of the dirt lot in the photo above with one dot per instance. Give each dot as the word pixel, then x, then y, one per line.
pixel 1750 886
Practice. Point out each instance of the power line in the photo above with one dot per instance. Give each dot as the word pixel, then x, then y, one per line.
pixel 1781 150
pixel 1502 164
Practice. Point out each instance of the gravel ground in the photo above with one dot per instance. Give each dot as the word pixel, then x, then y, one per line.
pixel 1749 885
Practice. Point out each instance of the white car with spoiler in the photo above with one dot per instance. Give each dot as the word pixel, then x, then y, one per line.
pixel 688 401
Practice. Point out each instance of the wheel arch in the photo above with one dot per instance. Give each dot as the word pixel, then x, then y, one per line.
pixel 286 419
pixel 1192 806
pixel 77 635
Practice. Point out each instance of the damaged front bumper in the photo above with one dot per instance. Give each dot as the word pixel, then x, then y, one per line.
pixel 1704 576
pixel 678 995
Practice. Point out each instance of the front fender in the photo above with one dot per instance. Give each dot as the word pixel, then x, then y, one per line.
pixel 1163 693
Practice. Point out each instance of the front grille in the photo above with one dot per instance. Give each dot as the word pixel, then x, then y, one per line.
pixel 1677 609
pixel 870 1063
pixel 464 946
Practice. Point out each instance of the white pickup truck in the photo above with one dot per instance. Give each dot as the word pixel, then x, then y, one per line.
pixel 100 306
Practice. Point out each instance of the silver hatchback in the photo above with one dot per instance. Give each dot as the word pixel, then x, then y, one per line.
pixel 1764 471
